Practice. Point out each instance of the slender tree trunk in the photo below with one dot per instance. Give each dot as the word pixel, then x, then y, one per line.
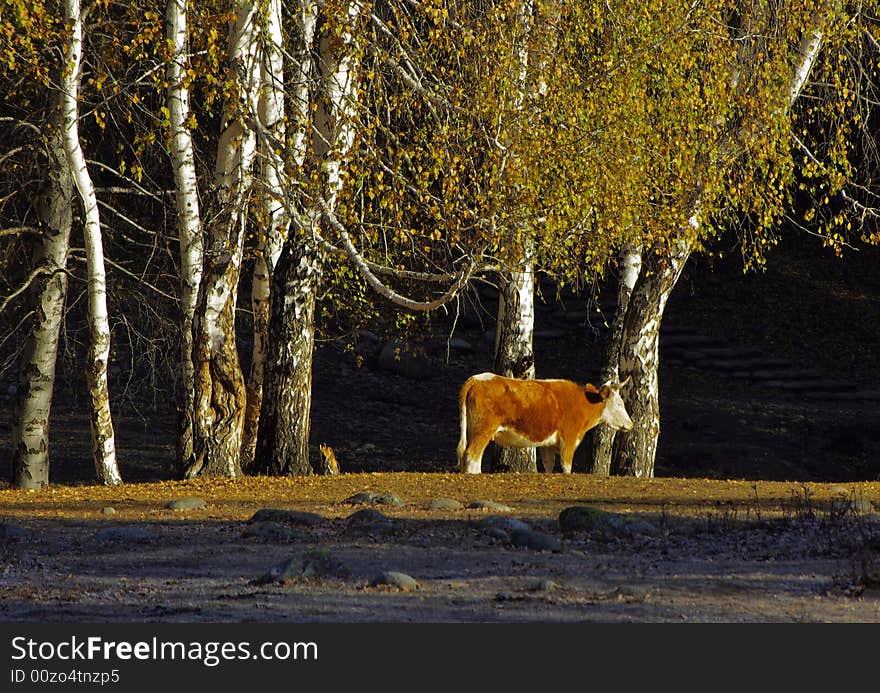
pixel 36 378
pixel 515 326
pixel 283 436
pixel 601 438
pixel 103 440
pixel 272 215
pixel 219 393
pixel 514 353
pixel 189 227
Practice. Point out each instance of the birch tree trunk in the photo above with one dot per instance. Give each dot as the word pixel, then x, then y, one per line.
pixel 272 215
pixel 283 437
pixel 189 227
pixel 601 438
pixel 285 423
pixel 219 393
pixel 103 440
pixel 515 325
pixel 514 352
pixel 36 378
pixel 635 451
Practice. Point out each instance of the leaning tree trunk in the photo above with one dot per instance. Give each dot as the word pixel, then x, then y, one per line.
pixel 636 450
pixel 98 358
pixel 601 438
pixel 189 227
pixel 283 440
pixel 36 379
pixel 219 392
pixel 514 353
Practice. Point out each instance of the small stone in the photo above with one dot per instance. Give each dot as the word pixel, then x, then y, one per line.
pixel 283 572
pixel 489 505
pixel 535 540
pixel 393 578
pixel 187 503
pixel 507 524
pixel 546 585
pixel 584 518
pixel 370 498
pixel 108 510
pixel 320 563
pixel 315 563
pixel 445 504
pixel 369 520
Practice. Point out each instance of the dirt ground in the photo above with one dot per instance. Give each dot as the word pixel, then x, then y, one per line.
pixel 764 509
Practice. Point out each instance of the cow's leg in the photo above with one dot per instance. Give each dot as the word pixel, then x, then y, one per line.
pixel 472 460
pixel 548 459
pixel 566 454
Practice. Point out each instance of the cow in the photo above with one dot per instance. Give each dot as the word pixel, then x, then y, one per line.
pixel 552 415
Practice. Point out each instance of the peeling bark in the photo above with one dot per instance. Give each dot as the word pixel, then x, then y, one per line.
pixel 36 378
pixel 635 451
pixel 601 438
pixel 219 392
pixel 282 446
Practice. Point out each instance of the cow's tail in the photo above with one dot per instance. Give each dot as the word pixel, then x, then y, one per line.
pixel 462 422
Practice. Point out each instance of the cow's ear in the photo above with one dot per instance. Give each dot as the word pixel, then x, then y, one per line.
pixel 592 394
pixel 605 392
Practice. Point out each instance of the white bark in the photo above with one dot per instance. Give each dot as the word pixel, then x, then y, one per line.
pixel 189 228
pixel 30 427
pixel 220 396
pixel 103 440
pixel 515 324
pixel 335 125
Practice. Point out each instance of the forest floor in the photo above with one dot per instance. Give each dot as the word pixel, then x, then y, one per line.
pixel 764 508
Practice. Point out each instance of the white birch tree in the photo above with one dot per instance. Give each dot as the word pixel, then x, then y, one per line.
pixel 662 265
pixel 189 224
pixel 98 358
pixel 36 379
pixel 220 395
pixel 272 216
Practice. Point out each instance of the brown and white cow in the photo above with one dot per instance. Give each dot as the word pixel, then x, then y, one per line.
pixel 552 415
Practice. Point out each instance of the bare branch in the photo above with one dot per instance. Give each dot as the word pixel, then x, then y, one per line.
pixel 18 230
pixel 382 289
pixel 141 189
pixel 37 272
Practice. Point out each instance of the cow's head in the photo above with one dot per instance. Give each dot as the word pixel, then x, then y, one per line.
pixel 614 414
